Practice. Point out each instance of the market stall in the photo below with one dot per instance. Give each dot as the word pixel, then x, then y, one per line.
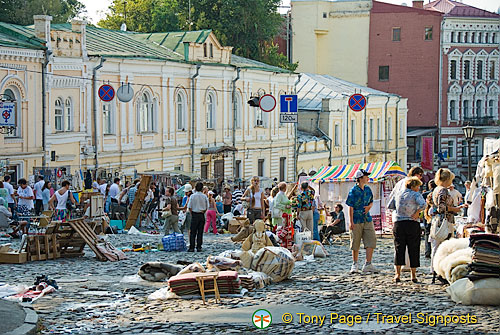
pixel 334 182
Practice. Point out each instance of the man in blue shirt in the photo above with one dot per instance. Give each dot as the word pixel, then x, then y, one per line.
pixel 360 201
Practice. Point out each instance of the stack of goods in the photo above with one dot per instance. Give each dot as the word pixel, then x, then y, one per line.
pixel 218 263
pixel 247 282
pixel 276 262
pixel 228 282
pixel 174 242
pixel 485 256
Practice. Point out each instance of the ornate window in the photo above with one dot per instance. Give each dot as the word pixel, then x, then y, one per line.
pixel 479 108
pixel 59 115
pixel 210 111
pixel 491 108
pixel 68 115
pixel 453 69
pixel 466 69
pixel 237 110
pixel 146 113
pixel 479 69
pixel 453 110
pixel 467 113
pixel 11 94
pixel 181 108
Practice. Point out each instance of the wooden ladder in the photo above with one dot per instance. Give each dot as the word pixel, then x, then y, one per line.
pixel 201 277
pixel 140 195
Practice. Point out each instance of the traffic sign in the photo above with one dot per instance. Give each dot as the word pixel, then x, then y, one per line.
pixel 357 102
pixel 125 93
pixel 288 103
pixel 267 103
pixel 289 117
pixel 106 93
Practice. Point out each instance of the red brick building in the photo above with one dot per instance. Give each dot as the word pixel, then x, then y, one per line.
pixel 404 59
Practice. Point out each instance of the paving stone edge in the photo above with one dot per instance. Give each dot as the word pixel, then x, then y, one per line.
pixel 30 323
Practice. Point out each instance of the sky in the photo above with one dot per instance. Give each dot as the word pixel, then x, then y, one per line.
pixel 97 8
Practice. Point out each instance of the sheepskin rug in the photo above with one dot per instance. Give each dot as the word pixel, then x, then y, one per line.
pixel 452 254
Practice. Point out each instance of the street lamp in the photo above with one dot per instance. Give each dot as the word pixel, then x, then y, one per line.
pixel 469 135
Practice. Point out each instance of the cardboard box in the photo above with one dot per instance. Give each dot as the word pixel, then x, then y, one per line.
pixel 13 257
pixel 234 226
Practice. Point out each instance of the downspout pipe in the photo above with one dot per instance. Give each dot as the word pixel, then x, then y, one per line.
pixel 296 149
pixel 364 130
pixel 397 129
pixel 234 117
pixel 193 114
pixel 329 140
pixel 94 111
pixel 47 54
pixel 386 144
pixel 440 99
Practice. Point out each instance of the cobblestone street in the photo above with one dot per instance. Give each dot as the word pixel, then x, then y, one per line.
pixel 92 300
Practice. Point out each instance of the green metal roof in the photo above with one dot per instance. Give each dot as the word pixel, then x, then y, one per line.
pixel 247 63
pixel 13 35
pixel 174 40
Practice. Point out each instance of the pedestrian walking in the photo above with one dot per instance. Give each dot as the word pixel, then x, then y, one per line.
pixel 237 195
pixel 360 201
pixel 211 216
pixel 407 206
pixel 305 207
pixel 62 196
pixel 171 212
pixel 198 206
pixel 227 200
pixel 255 199
pixel 37 188
pixel 46 195
pixel 11 198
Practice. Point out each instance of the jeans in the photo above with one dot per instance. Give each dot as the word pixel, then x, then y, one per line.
pixel 315 225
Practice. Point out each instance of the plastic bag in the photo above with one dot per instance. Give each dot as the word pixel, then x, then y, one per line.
pixel 174 242
pixel 276 262
pixel 302 236
pixel 479 292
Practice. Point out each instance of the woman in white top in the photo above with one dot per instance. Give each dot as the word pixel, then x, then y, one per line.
pixel 255 198
pixel 25 195
pixel 62 195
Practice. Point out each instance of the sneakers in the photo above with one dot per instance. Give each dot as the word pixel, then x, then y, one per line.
pixel 369 268
pixel 354 268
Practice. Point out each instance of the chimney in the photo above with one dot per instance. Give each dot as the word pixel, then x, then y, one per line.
pixel 42 27
pixel 418 4
pixel 80 26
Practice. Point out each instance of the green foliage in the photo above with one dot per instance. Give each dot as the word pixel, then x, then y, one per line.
pixel 249 26
pixel 147 16
pixel 22 11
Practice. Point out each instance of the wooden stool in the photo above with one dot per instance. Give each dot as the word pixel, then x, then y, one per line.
pixel 200 278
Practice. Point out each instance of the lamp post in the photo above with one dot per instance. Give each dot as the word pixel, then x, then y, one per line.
pixel 469 135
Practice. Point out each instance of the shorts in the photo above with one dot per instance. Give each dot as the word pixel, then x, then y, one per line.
pixel 365 231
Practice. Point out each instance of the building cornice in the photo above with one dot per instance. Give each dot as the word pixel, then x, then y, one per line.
pixel 21 55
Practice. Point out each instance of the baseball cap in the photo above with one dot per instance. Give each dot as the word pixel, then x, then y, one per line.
pixel 360 173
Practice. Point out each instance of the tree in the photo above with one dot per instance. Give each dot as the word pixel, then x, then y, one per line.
pixel 22 11
pixel 147 16
pixel 248 26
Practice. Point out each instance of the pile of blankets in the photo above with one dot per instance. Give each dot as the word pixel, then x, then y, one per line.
pixel 228 282
pixel 485 256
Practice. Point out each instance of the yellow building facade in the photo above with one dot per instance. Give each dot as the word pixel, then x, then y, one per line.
pixel 188 109
pixel 325 32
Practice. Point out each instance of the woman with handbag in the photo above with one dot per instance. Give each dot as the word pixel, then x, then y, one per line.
pixel 281 204
pixel 255 199
pixel 62 196
pixel 442 212
pixel 408 205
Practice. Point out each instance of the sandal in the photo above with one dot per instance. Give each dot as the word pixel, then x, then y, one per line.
pixel 397 280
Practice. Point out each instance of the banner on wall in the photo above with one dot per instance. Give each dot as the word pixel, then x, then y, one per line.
pixel 428 152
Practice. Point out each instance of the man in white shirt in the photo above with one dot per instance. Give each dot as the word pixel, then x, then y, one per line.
pixel 38 195
pixel 103 186
pixel 11 199
pixel 197 205
pixel 114 189
pixel 26 196
pixel 96 184
pixel 456 195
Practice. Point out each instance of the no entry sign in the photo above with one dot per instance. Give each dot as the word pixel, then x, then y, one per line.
pixel 106 93
pixel 357 102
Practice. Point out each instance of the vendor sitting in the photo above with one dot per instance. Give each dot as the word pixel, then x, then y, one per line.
pixel 337 225
pixel 6 222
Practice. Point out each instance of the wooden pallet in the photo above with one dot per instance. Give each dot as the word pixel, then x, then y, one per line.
pixel 88 235
pixel 43 247
pixel 70 243
pixel 140 195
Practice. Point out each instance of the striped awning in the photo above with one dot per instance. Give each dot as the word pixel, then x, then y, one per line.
pixel 378 171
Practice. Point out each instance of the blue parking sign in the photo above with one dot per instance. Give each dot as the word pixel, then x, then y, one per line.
pixel 288 103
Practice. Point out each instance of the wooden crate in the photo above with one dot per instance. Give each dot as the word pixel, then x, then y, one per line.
pixel 13 257
pixel 42 247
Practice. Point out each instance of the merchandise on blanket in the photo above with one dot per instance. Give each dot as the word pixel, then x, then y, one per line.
pixel 33 294
pixel 485 256
pixel 158 271
pixel 449 254
pixel 194 267
pixel 258 239
pixel 479 292
pixel 233 254
pixel 218 263
pixel 174 242
pixel 228 282
pixel 8 290
pixel 45 279
pixel 277 262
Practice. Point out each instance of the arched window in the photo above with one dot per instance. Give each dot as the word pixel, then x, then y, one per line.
pixel 146 120
pixel 210 111
pixel 181 111
pixel 237 110
pixel 68 115
pixel 59 115
pixel 10 94
pixel 479 108
pixel 107 116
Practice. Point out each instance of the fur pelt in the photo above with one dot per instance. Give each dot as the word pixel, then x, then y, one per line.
pixel 446 248
pixel 448 264
pixel 459 272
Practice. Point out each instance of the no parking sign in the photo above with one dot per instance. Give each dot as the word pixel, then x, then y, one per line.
pixel 106 92
pixel 357 102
